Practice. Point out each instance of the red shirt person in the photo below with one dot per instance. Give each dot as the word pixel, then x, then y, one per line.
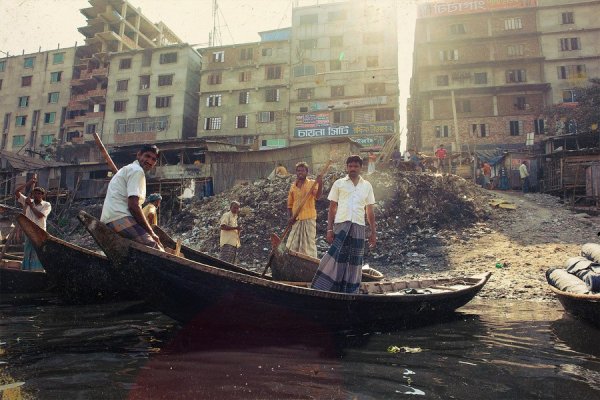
pixel 441 153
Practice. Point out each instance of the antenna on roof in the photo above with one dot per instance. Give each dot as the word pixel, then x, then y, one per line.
pixel 214 37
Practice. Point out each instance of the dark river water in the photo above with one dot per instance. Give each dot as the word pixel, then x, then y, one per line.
pixel 488 350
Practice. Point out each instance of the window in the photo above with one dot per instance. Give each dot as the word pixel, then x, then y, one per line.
pixel 273 72
pixel 306 94
pixel 442 131
pixel 521 103
pixel 303 109
pixel 569 96
pixel 246 54
pixel 375 88
pixel 2 66
pixel 47 140
pixel 516 75
pixel 244 97
pixel 58 58
pixel 241 121
pixel 372 61
pixel 18 140
pixel 165 80
pixel 373 38
pixel 572 71
pixel 337 91
pixel 144 82
pixel 245 76
pixel 120 106
pixel 23 101
pixel 271 95
pixel 449 55
pixel 308 44
pixel 304 70
pixel 21 120
pixel 168 58
pixel 29 62
pixel 218 56
pixel 0 84
pixel 442 80
pixel 212 123
pixel 266 116
pixel 122 85
pixel 384 114
pixel 144 124
pixel 515 127
pixel 456 29
pixel 342 117
pixel 538 126
pixel 514 50
pixel 53 97
pixel 163 101
pixel 55 76
pixel 49 117
pixel 147 58
pixel 91 128
pixel 267 52
pixel 336 41
pixel 125 63
pixel 480 78
pixel 142 103
pixel 214 78
pixel 25 81
pixel 309 19
pixel 569 44
pixel 214 100
pixel 480 130
pixel 336 15
pixel 567 18
pixel 463 106
pixel 335 65
pixel 513 23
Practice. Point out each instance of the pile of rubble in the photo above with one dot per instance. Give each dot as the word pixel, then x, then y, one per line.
pixel 411 208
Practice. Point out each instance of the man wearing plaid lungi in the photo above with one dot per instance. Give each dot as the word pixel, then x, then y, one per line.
pixel 340 269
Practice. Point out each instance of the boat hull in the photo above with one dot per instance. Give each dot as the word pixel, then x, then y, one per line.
pixel 583 306
pixel 18 281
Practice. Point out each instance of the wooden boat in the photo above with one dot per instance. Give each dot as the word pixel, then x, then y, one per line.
pixel 297 267
pixel 79 275
pixel 189 291
pixel 584 306
pixel 14 280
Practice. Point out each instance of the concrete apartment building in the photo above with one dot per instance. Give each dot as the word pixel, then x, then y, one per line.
pixel 244 92
pixel 344 80
pixel 34 93
pixel 478 75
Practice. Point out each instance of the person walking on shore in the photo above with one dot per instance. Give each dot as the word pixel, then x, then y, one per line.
pixel 524 174
pixel 229 240
pixel 340 269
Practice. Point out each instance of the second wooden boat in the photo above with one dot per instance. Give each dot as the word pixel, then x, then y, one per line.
pixel 14 280
pixel 584 306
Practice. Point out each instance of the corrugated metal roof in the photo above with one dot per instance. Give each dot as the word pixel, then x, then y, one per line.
pixel 24 163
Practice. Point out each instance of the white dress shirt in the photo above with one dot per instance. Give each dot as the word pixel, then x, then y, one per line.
pixel 351 199
pixel 44 207
pixel 128 181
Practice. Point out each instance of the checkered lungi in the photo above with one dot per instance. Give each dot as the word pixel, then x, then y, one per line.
pixel 303 237
pixel 130 229
pixel 340 269
pixel 31 262
pixel 228 253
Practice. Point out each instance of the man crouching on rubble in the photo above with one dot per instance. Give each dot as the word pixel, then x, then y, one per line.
pixel 122 210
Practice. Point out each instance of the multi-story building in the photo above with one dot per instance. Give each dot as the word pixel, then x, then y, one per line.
pixel 34 93
pixel 344 80
pixel 244 92
pixel 478 75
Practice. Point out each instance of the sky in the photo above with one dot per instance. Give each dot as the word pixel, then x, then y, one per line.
pixel 27 25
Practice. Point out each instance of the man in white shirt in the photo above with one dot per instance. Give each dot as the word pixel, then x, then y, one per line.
pixel 340 269
pixel 230 234
pixel 36 210
pixel 122 211
pixel 524 174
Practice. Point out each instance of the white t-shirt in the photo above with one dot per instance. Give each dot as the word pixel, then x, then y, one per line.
pixel 351 199
pixel 128 181
pixel 44 207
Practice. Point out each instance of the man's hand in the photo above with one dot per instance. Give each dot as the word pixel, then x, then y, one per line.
pixel 28 202
pixel 291 221
pixel 372 240
pixel 330 236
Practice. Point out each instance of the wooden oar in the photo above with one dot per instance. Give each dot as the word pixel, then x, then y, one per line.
pixel 107 158
pixel 276 240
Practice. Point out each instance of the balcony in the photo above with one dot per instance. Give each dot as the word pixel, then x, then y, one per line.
pixel 76 105
pixel 99 73
pixel 73 122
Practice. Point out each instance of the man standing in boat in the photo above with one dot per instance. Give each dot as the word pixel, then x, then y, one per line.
pixel 229 239
pixel 122 210
pixel 303 236
pixel 340 269
pixel 37 210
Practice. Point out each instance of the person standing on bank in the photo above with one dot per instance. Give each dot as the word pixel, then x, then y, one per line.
pixel 37 210
pixel 303 236
pixel 229 240
pixel 524 174
pixel 441 154
pixel 122 211
pixel 150 210
pixel 340 269
pixel 371 163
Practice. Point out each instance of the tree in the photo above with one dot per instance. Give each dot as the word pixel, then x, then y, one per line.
pixel 581 116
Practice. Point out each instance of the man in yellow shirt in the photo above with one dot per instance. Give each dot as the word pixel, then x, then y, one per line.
pixel 230 234
pixel 303 235
pixel 149 210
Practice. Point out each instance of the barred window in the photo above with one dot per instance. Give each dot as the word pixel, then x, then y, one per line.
pixel 168 58
pixel 271 95
pixel 146 124
pixel 163 101
pixel 212 123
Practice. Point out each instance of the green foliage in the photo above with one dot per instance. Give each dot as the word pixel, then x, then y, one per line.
pixel 582 117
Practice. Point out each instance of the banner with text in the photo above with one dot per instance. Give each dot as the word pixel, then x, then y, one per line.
pixel 455 7
pixel 343 130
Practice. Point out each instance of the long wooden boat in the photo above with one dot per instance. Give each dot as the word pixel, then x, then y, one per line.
pixel 78 274
pixel 189 291
pixel 296 267
pixel 584 306
pixel 14 280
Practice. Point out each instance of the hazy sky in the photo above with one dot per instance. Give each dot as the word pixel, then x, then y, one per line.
pixel 29 24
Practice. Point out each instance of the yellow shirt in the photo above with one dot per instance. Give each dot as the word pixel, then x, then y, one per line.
pixel 296 195
pixel 150 213
pixel 229 237
pixel 280 170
